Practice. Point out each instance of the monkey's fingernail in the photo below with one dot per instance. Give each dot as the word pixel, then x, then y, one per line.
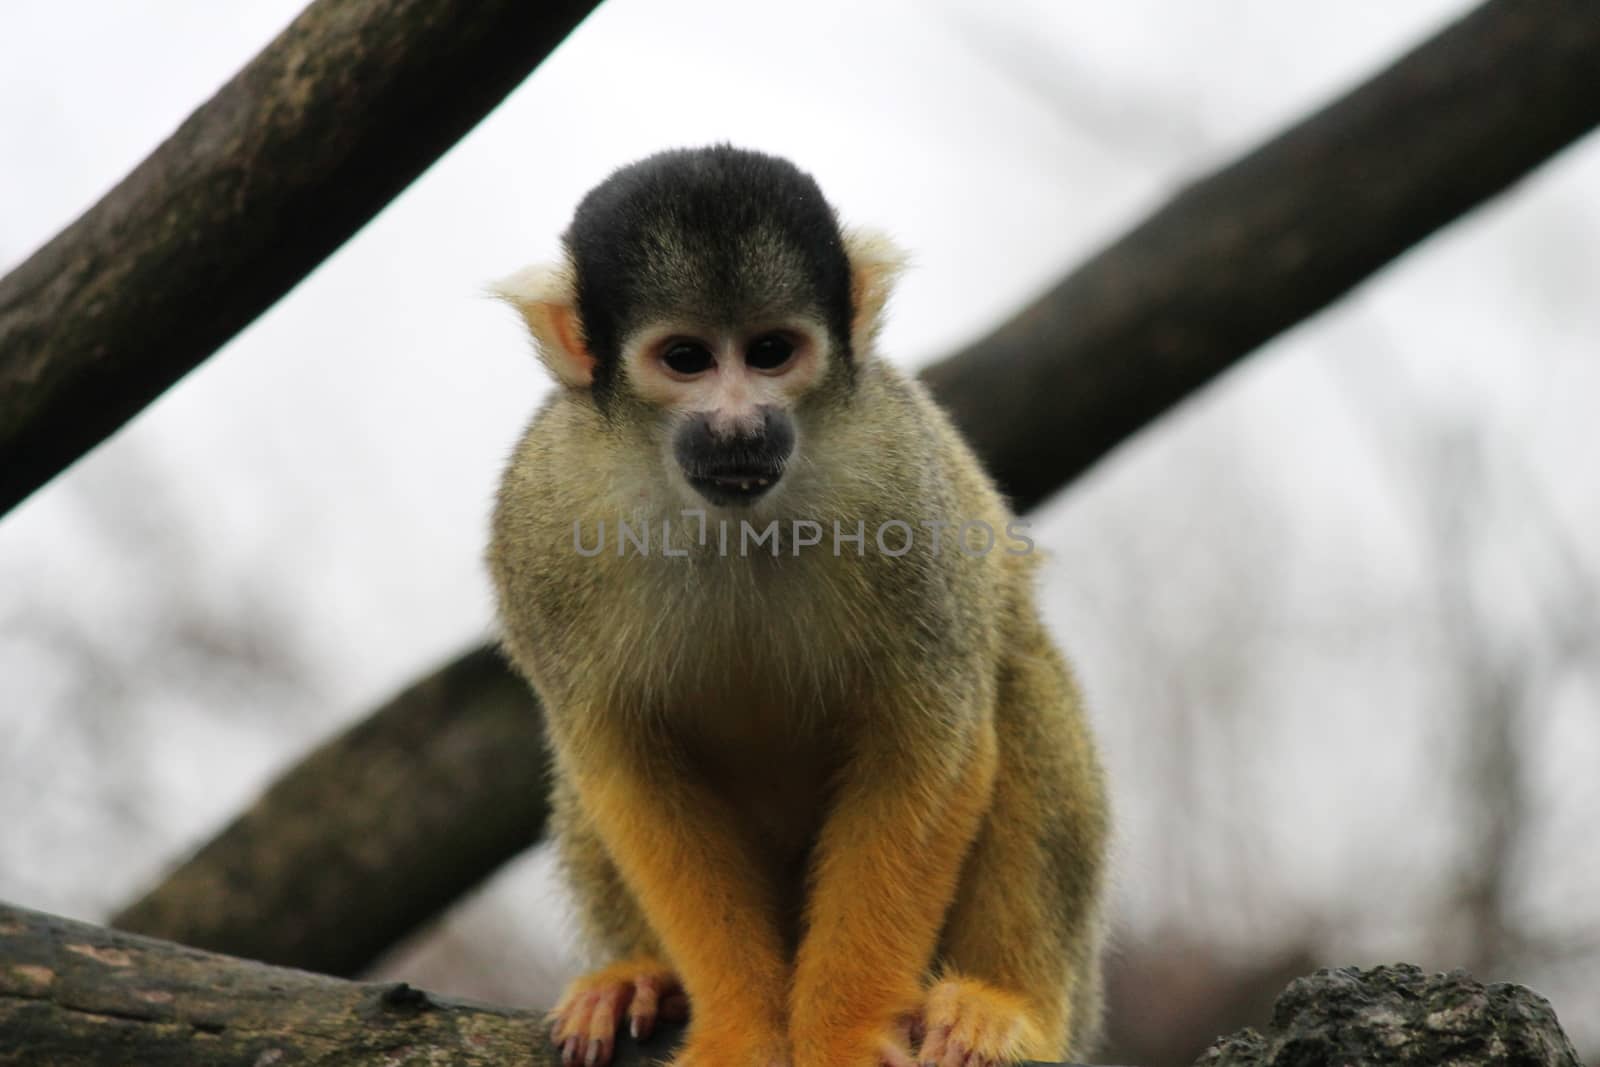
pixel 594 1054
pixel 569 1052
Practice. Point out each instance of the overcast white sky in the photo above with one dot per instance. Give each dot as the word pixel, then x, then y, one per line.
pixel 326 476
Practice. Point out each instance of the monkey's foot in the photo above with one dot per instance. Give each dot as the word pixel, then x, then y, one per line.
pixel 584 1022
pixel 969 1023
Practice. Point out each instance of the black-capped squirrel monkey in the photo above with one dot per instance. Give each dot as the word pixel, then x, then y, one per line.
pixel 819 769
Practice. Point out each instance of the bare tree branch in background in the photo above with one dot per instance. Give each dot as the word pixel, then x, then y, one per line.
pixel 310 140
pixel 1236 258
pixel 1266 242
pixel 372 834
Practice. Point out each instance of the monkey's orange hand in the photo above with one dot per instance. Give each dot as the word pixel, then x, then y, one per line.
pixel 885 872
pixel 584 1022
pixel 971 1024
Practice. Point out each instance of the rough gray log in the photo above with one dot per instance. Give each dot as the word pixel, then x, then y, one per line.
pixel 322 129
pixel 1234 259
pixel 369 836
pixel 1399 1017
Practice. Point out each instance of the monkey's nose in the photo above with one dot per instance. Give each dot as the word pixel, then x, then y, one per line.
pixel 736 468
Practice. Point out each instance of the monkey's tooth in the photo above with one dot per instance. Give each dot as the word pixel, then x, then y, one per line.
pixel 744 487
pixel 761 481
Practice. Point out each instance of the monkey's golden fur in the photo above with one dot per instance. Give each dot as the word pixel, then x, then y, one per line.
pixel 827 791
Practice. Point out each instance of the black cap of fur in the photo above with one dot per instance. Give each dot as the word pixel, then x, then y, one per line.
pixel 717 235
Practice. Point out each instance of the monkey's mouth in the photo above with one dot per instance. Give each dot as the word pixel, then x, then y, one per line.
pixel 743 485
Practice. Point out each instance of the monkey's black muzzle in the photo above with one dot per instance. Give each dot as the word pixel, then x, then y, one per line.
pixel 738 467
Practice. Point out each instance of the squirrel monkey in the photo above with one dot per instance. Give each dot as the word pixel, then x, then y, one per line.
pixel 821 777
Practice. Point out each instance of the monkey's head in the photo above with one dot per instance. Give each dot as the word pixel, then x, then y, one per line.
pixel 710 301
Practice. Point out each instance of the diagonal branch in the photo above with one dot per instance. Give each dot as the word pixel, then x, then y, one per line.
pixel 1269 240
pixel 322 129
pixel 372 834
pixel 1236 258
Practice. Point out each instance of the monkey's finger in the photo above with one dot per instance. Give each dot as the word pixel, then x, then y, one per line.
pixel 569 1016
pixel 590 1015
pixel 643 1008
pixel 933 1046
pixel 604 1015
pixel 955 1054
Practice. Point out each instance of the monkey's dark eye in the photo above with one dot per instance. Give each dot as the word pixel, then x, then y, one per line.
pixel 687 357
pixel 769 352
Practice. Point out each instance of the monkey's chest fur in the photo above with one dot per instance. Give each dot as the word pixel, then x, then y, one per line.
pixel 739 671
pixel 752 671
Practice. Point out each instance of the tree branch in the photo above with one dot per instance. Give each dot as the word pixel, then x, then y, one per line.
pixel 75 993
pixel 1236 258
pixel 322 129
pixel 1269 240
pixel 372 834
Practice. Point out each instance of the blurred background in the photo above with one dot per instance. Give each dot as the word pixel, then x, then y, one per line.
pixel 1338 617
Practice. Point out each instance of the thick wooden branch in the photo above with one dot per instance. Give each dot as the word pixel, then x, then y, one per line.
pixel 73 993
pixel 1264 243
pixel 1234 259
pixel 322 129
pixel 372 834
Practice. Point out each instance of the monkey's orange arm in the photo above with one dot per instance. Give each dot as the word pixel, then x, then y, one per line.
pixel 677 848
pixel 885 872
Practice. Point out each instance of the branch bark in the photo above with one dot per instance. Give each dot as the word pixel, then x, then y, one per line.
pixel 372 834
pixel 321 130
pixel 1398 1016
pixel 71 993
pixel 1234 259
pixel 1269 240
pixel 75 993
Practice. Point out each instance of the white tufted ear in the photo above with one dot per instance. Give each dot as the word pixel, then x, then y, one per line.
pixel 875 264
pixel 546 298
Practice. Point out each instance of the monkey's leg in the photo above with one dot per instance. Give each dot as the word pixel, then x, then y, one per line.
pixel 884 872
pixel 1021 945
pixel 683 858
pixel 637 984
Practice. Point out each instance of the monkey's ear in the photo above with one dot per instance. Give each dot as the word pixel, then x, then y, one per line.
pixel 546 299
pixel 875 264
